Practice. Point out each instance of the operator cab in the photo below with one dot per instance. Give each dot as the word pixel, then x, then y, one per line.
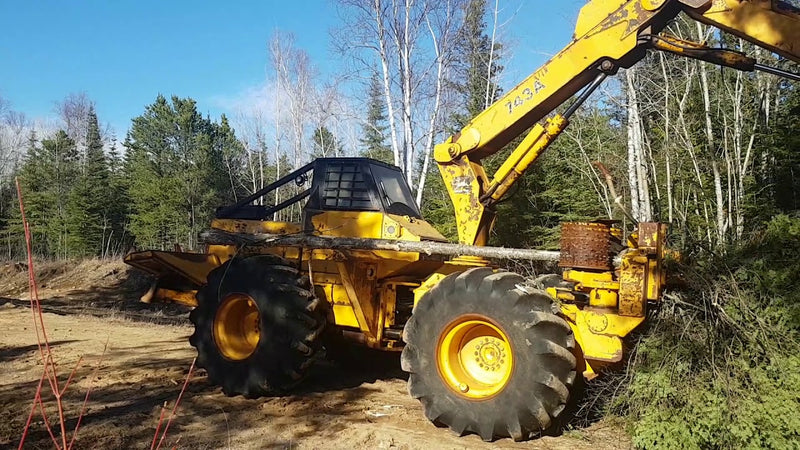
pixel 360 184
pixel 349 197
pixel 336 184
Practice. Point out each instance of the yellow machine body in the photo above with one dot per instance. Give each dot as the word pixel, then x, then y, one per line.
pixel 605 292
pixel 367 289
pixel 362 286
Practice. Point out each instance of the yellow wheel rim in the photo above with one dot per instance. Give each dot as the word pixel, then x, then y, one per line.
pixel 474 357
pixel 237 327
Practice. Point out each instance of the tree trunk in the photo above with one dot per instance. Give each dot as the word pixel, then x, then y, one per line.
pixel 214 236
pixel 721 228
pixel 490 87
pixel 405 69
pixel 387 87
pixel 667 134
pixel 637 166
pixel 438 43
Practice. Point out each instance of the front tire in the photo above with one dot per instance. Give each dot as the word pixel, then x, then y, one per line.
pixel 257 326
pixel 487 356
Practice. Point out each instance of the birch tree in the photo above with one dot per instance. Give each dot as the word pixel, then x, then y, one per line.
pixel 252 133
pixel 442 28
pixel 293 74
pixel 637 158
pixel 15 129
pixel 411 41
pixel 73 112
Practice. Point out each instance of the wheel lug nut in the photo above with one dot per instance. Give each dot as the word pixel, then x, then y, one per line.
pixel 463 388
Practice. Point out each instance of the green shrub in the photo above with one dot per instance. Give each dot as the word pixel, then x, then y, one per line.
pixel 720 365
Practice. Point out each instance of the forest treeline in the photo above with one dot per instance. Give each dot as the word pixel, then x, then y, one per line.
pixel 712 151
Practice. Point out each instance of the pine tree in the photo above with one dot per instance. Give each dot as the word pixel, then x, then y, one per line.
pixel 779 166
pixel 153 171
pixel 324 143
pixel 118 206
pixel 479 69
pixel 374 129
pixel 13 233
pixel 47 178
pixel 234 158
pixel 88 209
pixel 176 173
pixel 559 187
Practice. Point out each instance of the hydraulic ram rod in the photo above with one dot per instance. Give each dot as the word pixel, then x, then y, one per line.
pixel 220 237
pixel 779 72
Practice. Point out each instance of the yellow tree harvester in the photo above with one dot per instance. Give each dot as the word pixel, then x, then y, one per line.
pixel 486 352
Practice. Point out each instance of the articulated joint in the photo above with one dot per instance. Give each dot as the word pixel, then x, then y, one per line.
pixel 446 152
pixel 457 145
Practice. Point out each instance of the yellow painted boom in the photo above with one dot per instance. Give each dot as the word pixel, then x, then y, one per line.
pixel 608 35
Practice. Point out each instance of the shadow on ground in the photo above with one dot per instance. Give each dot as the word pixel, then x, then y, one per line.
pixel 134 383
pixel 11 353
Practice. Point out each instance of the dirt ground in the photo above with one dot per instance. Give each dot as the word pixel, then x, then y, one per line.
pixel 146 363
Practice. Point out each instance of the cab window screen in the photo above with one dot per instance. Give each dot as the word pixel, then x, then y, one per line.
pixel 345 187
pixel 394 191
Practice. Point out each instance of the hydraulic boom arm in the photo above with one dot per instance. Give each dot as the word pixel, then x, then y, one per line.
pixel 609 34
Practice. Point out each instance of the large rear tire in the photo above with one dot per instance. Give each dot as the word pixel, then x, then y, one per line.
pixel 488 356
pixel 257 326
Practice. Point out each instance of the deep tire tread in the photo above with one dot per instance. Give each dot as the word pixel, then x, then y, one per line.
pixel 285 299
pixel 542 342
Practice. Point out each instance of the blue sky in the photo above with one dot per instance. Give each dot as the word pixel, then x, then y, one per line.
pixel 123 53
